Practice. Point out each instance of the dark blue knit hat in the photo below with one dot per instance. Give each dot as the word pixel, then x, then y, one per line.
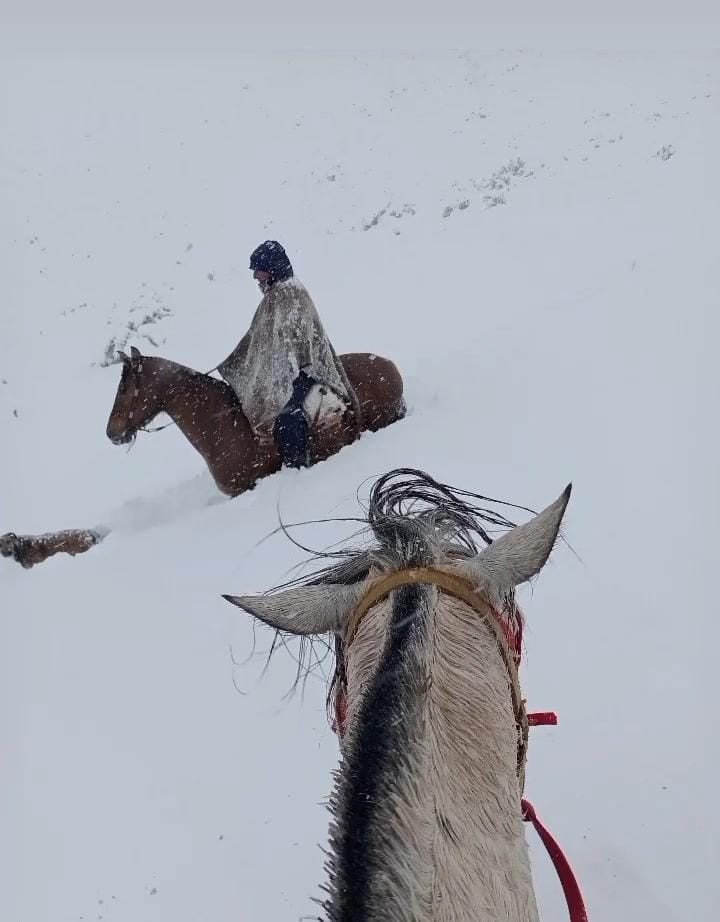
pixel 271 257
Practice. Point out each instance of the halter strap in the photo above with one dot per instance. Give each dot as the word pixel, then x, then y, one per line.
pixel 460 589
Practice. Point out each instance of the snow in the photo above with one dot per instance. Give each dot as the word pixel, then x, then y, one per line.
pixel 151 769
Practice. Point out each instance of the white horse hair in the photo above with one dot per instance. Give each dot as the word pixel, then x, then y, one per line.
pixel 426 810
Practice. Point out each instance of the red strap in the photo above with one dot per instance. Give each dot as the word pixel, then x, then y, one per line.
pixel 542 719
pixel 338 724
pixel 573 896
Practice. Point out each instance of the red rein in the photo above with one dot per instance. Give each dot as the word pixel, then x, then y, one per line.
pixel 568 881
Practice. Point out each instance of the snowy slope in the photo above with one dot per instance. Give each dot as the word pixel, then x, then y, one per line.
pixel 531 237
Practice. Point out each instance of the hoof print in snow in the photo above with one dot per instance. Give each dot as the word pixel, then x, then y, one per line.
pixel 152 315
pixel 401 212
pixel 461 206
pixel 375 220
pixel 495 188
pixel 396 213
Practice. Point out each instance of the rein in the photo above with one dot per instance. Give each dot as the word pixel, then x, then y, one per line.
pixel 461 589
pixel 136 393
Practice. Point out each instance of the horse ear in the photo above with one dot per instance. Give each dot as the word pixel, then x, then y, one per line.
pixel 304 610
pixel 125 358
pixel 135 353
pixel 519 554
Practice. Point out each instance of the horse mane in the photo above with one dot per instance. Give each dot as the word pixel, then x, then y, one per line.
pixel 412 520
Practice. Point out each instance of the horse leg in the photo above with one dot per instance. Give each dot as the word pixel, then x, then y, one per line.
pixel 29 550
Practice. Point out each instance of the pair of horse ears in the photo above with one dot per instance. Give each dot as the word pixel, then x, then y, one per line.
pixel 135 355
pixel 512 559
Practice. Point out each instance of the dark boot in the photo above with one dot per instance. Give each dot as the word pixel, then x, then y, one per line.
pixel 291 437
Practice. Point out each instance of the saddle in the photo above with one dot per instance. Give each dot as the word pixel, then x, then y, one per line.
pixel 323 410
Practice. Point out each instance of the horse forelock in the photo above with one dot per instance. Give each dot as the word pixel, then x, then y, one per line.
pixel 421 521
pixel 412 520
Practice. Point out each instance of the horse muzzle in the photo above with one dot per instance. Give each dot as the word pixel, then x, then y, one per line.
pixel 121 438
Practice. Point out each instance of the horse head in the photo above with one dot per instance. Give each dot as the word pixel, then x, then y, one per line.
pixel 428 795
pixel 409 538
pixel 136 401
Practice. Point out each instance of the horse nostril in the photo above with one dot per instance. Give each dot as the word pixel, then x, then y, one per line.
pixel 117 438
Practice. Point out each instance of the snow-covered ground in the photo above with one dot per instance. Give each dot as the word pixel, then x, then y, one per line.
pixel 533 239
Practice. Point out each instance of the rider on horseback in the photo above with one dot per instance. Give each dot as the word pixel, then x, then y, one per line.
pixel 284 369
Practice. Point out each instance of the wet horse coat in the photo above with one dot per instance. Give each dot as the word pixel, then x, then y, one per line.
pixel 427 822
pixel 209 414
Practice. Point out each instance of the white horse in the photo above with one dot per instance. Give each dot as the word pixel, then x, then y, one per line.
pixel 427 822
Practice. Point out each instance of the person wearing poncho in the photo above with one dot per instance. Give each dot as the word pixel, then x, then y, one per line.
pixel 285 359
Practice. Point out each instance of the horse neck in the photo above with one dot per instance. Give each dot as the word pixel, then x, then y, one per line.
pixel 167 383
pixel 428 822
pixel 180 391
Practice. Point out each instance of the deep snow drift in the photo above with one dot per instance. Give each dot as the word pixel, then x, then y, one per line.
pixel 532 238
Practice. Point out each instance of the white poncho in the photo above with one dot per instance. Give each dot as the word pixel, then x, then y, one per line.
pixel 285 335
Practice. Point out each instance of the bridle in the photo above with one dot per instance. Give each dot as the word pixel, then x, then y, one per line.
pixel 135 394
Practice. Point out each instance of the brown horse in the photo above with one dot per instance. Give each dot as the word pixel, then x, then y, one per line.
pixel 211 418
